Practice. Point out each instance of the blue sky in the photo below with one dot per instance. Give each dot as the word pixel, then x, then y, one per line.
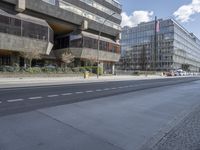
pixel 187 12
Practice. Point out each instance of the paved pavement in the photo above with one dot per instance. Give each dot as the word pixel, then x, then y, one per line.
pixel 13 100
pixel 119 122
pixel 39 81
pixel 184 136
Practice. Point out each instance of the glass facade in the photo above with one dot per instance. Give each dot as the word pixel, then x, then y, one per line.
pixel 173 47
pixel 18 27
pixel 81 41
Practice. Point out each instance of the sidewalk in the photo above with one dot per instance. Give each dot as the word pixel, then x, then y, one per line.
pixel 39 81
pixel 184 136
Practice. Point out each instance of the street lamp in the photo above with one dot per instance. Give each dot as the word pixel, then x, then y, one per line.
pixel 98 46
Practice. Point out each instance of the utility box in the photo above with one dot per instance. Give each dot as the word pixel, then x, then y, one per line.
pixel 86 74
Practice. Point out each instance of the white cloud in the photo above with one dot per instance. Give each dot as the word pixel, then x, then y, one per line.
pixel 185 12
pixel 136 17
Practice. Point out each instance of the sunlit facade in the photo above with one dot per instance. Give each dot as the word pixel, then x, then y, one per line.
pixel 67 25
pixel 173 48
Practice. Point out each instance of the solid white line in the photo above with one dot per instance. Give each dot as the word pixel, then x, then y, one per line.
pixel 89 91
pixel 79 92
pixel 15 100
pixel 32 98
pixel 52 96
pixel 66 94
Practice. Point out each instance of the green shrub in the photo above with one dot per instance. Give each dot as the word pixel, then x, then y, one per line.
pixel 76 69
pixel 136 73
pixel 49 69
pixel 7 69
pixel 33 70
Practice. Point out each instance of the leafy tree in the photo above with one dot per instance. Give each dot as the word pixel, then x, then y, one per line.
pixel 30 55
pixel 66 58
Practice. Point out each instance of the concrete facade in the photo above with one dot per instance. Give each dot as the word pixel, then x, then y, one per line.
pixel 64 17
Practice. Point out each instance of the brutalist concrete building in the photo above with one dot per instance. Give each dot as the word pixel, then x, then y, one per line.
pixel 169 47
pixel 53 27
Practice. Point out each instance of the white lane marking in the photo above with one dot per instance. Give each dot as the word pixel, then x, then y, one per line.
pixel 113 88
pixel 98 90
pixel 32 98
pixel 66 94
pixel 52 96
pixel 89 91
pixel 126 86
pixel 121 87
pixel 79 92
pixel 106 89
pixel 15 100
pixel 0 102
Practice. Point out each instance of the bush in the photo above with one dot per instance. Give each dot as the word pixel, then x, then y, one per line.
pixel 49 69
pixel 8 69
pixel 136 73
pixel 33 70
pixel 92 69
pixel 76 69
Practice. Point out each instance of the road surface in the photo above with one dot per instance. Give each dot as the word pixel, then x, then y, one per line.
pixel 129 119
pixel 13 100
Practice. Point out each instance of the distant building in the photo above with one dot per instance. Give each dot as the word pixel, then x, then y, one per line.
pixel 53 27
pixel 173 48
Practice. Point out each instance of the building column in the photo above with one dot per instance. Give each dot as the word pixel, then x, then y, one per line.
pixel 113 69
pixel 21 5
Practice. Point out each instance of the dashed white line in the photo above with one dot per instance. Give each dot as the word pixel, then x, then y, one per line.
pixel 52 96
pixel 66 94
pixel 32 98
pixel 113 88
pixel 89 91
pixel 121 87
pixel 106 89
pixel 15 100
pixel 98 90
pixel 0 102
pixel 79 92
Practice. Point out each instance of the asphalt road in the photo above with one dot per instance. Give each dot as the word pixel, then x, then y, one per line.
pixel 15 100
pixel 136 120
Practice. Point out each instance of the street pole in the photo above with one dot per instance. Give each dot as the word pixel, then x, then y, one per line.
pixel 98 44
pixel 155 45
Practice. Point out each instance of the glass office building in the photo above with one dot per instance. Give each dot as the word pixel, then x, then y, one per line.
pixel 169 47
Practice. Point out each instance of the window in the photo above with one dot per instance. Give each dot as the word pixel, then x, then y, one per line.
pixel 53 2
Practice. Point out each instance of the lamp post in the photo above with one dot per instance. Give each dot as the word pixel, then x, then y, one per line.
pixel 98 44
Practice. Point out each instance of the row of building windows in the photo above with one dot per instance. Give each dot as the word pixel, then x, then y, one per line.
pixel 23 28
pixel 109 1
pixel 84 13
pixel 86 42
pixel 101 8
pixel 87 14
pixel 5 60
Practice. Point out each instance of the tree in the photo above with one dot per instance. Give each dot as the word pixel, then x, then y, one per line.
pixel 66 58
pixel 92 60
pixel 30 55
pixel 185 67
